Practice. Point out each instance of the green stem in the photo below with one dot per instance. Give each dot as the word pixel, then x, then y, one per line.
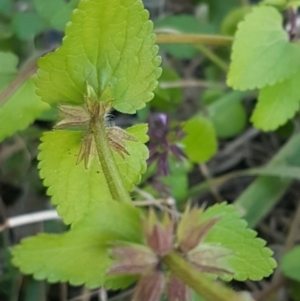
pixel 213 57
pixel 108 164
pixel 205 287
pixel 23 75
pixel 288 172
pixel 215 182
pixel 193 39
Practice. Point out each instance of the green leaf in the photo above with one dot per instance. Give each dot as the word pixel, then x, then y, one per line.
pixel 73 187
pixel 228 115
pixel 219 9
pixel 293 4
pixel 8 68
pixel 261 53
pixel 290 264
pixel 49 115
pixel 6 7
pixel 250 259
pixel 118 219
pixel 230 23
pixel 81 255
pixel 211 95
pixel 5 32
pixel 133 166
pixel 196 297
pixel 56 12
pixel 48 9
pixel 277 104
pixel 167 99
pixel 200 142
pixel 108 45
pixel 62 17
pixel 178 180
pixel 27 25
pixel 20 109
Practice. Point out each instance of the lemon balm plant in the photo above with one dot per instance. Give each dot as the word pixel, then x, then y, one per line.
pixel 108 60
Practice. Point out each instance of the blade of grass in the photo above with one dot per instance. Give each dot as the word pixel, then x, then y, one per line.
pixel 281 172
pixel 263 194
pixel 274 179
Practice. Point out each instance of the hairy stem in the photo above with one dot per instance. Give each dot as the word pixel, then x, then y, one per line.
pixel 108 164
pixel 193 39
pixel 208 289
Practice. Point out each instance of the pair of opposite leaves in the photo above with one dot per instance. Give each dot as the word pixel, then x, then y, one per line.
pixel 110 46
pixel 264 58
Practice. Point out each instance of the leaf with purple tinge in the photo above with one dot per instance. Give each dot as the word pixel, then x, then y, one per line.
pixel 177 290
pixel 132 259
pixel 191 231
pixel 150 287
pixel 159 235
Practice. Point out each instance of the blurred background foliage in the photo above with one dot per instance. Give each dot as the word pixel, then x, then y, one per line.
pixel 203 147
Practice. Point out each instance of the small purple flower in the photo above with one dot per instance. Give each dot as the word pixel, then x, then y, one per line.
pixel 163 141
